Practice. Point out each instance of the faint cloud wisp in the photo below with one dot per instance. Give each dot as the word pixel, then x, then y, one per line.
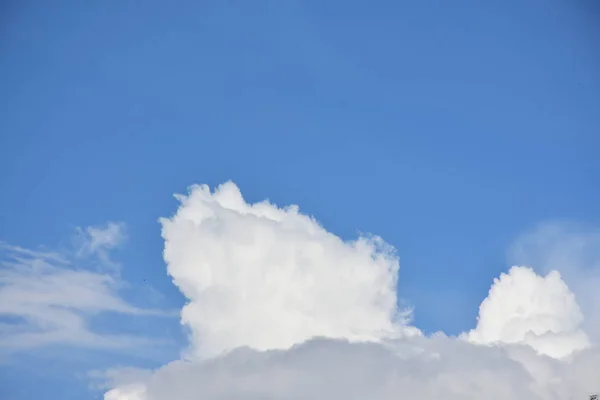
pixel 98 241
pixel 49 297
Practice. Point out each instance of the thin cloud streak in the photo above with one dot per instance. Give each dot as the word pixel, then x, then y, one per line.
pixel 49 298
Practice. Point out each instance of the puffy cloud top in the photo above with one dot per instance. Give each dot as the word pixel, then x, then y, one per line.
pixel 525 308
pixel 266 277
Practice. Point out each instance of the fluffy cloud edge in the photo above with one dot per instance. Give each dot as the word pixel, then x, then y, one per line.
pixel 242 266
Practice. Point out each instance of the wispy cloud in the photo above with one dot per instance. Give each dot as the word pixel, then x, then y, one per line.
pixel 98 241
pixel 49 297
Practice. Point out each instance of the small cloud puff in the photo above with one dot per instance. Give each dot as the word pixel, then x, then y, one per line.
pixel 525 308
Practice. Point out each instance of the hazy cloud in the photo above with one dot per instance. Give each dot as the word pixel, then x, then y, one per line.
pixel 98 241
pixel 47 297
pixel 409 368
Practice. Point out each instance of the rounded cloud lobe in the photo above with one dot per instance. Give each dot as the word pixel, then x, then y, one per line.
pixel 525 308
pixel 574 250
pixel 263 282
pixel 266 277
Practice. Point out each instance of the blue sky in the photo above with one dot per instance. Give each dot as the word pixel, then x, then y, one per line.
pixel 447 129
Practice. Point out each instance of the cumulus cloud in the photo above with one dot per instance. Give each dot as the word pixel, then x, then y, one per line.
pixel 47 298
pixel 133 391
pixel 280 308
pixel 267 277
pixel 574 250
pixel 408 368
pixel 538 311
pixel 126 378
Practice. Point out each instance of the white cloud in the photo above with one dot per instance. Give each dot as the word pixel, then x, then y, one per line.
pixel 244 266
pixel 574 250
pixel 332 369
pixel 525 308
pixel 100 240
pixel 124 377
pixel 50 298
pixel 134 391
pixel 267 281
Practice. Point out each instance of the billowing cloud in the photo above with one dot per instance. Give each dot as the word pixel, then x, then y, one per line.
pixel 266 277
pixel 574 250
pixel 50 296
pixel 408 368
pixel 126 378
pixel 525 308
pixel 280 308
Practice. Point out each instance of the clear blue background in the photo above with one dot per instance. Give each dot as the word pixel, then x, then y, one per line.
pixel 447 128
